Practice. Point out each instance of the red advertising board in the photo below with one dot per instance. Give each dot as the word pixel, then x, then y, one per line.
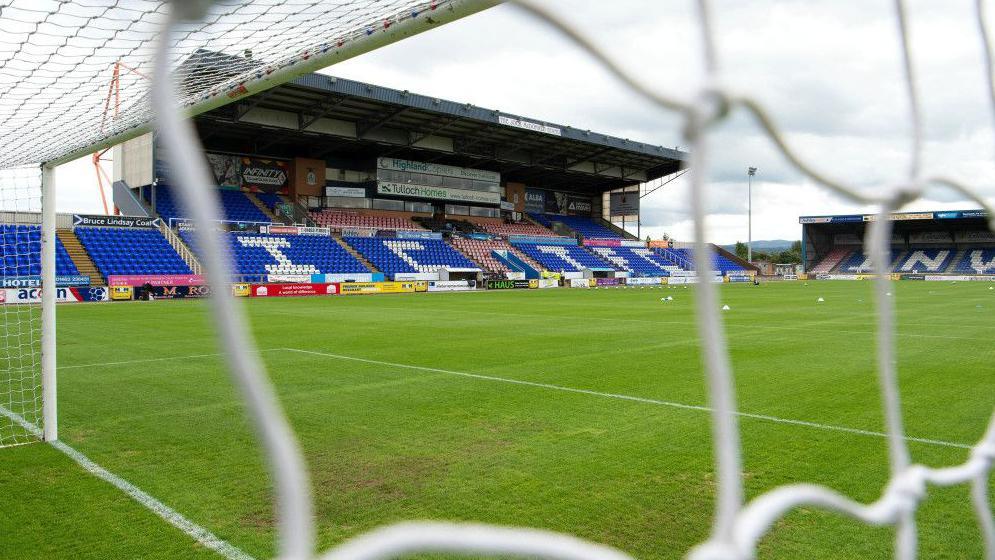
pixel 276 290
pixel 156 280
pixel 588 242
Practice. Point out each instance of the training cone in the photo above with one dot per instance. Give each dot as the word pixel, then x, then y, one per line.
pixel 820 300
pixel 725 308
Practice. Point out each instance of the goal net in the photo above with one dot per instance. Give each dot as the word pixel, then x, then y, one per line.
pixel 59 60
pixel 20 314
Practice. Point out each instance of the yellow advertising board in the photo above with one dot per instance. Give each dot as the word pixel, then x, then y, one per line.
pixel 359 288
pixel 240 290
pixel 533 284
pixel 397 287
pixel 119 293
pixel 421 286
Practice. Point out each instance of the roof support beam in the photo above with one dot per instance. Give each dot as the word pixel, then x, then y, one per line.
pixel 361 132
pixel 316 112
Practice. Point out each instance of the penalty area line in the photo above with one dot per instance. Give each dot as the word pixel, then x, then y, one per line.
pixel 645 400
pixel 206 538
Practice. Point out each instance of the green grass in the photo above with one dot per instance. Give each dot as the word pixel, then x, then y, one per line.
pixel 386 443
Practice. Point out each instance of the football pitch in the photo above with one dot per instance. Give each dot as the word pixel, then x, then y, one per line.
pixel 571 410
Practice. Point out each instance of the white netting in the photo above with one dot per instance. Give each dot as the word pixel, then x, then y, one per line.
pixel 20 319
pixel 76 72
pixel 34 127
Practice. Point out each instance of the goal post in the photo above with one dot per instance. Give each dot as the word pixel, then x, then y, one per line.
pixel 49 295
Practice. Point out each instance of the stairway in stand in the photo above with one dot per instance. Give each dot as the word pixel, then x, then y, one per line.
pixel 79 256
pixel 263 208
pixel 356 254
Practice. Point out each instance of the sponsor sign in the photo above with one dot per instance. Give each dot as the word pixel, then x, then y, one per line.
pixel 509 206
pixel 274 229
pixel 566 203
pixel 901 217
pixel 359 288
pixel 643 281
pixel 535 201
pixel 912 276
pixel 397 287
pixel 354 277
pixel 602 242
pixel 740 278
pixel 119 293
pixel 957 278
pixel 623 203
pixel 425 168
pixel 62 295
pixel 541 240
pixel 406 234
pixel 156 280
pixel 452 286
pixel 580 283
pixel 180 292
pixel 437 193
pixel 34 281
pixel 548 283
pixel 529 125
pixel 241 290
pixel 358 232
pixel 347 192
pixel 265 175
pixel 607 281
pixel 225 170
pixel 115 221
pixel 290 290
pixel 509 285
pixel 289 278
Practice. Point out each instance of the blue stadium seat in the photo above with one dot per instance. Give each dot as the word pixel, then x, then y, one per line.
pixel 566 258
pixel 976 260
pixel 638 261
pixel 684 259
pixel 124 251
pixel 20 251
pixel 588 227
pixel 857 263
pixel 237 207
pixel 394 256
pixel 926 260
pixel 257 255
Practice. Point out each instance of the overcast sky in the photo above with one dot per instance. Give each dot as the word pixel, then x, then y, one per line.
pixel 829 71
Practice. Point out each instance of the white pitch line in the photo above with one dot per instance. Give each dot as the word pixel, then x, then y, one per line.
pixel 206 538
pixel 671 404
pixel 147 360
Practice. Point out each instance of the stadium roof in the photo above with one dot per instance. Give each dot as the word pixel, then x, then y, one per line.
pixel 897 217
pixel 336 119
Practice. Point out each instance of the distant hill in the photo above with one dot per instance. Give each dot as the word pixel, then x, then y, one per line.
pixel 765 246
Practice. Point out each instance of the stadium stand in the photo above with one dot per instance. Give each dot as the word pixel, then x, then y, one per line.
pixel 21 252
pixel 270 200
pixel 925 260
pixel 258 255
pixel 237 207
pixel 498 226
pixel 637 261
pixel 975 261
pixel 684 258
pixel 587 227
pixel 481 252
pixel 566 258
pixel 393 256
pixel 117 251
pixel 292 254
pixel 832 259
pixel 339 219
pixel 856 263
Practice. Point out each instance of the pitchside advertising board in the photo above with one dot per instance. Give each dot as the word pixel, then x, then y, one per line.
pixel 512 284
pixel 291 290
pixel 35 281
pixel 62 295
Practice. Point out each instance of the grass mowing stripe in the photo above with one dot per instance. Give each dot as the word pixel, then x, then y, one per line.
pixel 671 404
pixel 146 360
pixel 206 538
